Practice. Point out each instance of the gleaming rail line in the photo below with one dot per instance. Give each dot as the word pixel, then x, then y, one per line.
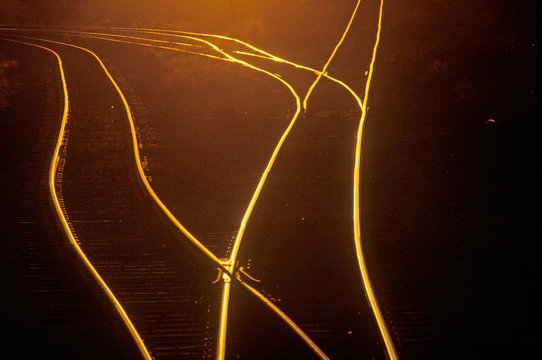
pixel 224 265
pixel 326 65
pixel 388 341
pixel 229 266
pixel 229 263
pixel 53 169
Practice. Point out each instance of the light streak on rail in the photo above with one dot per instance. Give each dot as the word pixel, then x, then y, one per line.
pixel 223 326
pixel 62 217
pixel 303 67
pixel 363 269
pixel 271 161
pixel 263 54
pixel 236 246
pixel 286 319
pixel 326 65
pixel 233 257
pixel 227 266
pixel 129 37
pixel 230 264
pixel 237 243
pixel 235 250
pixel 390 348
pixel 137 157
pixel 104 36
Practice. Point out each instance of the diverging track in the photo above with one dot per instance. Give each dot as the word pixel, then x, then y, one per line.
pixel 229 266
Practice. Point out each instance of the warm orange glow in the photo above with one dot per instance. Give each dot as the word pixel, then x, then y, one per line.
pixel 228 266
pixel 286 319
pixel 357 229
pixel 326 65
pixel 53 168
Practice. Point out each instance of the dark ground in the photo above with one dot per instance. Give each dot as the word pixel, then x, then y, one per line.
pixel 50 304
pixel 447 197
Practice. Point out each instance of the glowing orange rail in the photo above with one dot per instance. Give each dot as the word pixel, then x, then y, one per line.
pixel 326 65
pixel 226 266
pixel 62 217
pixel 390 348
pixel 229 264
pixel 388 341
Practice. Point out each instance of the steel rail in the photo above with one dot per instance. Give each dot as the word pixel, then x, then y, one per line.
pixel 326 65
pixel 367 285
pixel 390 348
pixel 227 266
pixel 53 168
pixel 388 341
pixel 139 166
pixel 285 318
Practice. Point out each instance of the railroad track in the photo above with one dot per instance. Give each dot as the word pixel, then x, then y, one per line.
pixel 109 216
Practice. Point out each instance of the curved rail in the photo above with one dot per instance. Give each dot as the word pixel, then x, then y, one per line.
pixel 326 65
pixel 62 217
pixel 285 318
pixel 231 263
pixel 137 157
pixel 390 348
pixel 226 266
pixel 388 341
